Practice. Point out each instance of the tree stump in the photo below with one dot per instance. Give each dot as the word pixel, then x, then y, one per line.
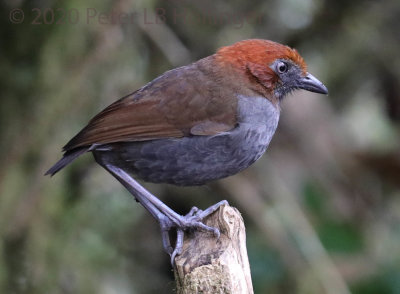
pixel 211 265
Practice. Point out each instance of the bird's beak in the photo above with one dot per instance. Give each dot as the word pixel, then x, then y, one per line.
pixel 312 84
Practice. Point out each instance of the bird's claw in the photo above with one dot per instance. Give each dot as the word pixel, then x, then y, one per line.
pixel 192 220
pixel 193 211
pixel 178 246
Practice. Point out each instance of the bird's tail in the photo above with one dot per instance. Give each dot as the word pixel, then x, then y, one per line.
pixel 68 157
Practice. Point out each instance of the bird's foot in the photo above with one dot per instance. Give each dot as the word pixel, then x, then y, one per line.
pixel 192 220
pixel 167 218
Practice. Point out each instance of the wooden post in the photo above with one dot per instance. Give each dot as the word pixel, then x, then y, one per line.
pixel 211 265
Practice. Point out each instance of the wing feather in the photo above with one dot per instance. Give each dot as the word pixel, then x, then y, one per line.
pixel 172 106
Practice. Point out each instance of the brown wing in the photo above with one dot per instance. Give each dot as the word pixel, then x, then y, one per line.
pixel 179 103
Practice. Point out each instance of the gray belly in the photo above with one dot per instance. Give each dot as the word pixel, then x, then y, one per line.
pixel 198 159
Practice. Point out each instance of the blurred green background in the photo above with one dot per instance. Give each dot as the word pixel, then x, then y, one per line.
pixel 322 207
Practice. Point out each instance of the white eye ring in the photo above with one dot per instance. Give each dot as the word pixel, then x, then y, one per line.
pixel 282 67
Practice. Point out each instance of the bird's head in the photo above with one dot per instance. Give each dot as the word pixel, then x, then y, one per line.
pixel 272 67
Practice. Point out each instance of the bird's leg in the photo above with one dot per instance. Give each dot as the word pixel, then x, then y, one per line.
pixel 165 215
pixel 165 223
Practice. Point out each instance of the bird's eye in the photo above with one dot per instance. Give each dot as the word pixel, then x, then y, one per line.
pixel 282 67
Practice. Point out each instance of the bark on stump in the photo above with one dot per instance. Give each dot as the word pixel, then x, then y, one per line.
pixel 211 265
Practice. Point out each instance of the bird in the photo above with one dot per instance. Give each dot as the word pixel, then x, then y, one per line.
pixel 194 124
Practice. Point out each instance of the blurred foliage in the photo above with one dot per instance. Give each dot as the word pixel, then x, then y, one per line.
pixel 322 207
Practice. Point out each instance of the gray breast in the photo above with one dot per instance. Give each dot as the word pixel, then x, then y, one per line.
pixel 199 159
